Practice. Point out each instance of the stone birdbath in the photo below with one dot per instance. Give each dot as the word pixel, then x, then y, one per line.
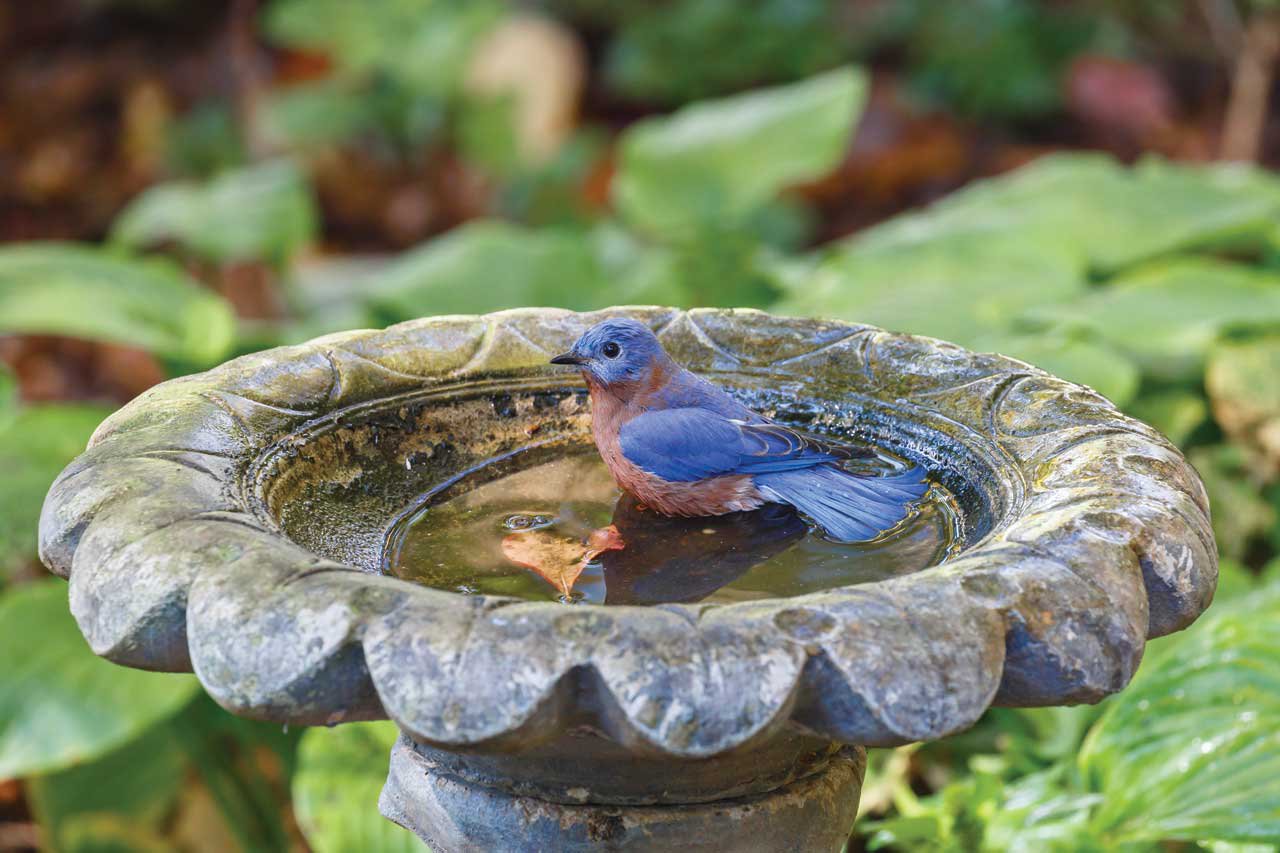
pixel 232 524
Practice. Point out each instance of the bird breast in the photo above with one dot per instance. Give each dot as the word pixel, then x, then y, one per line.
pixel 711 496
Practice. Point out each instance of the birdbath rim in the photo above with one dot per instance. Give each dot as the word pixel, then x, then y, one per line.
pixel 1100 539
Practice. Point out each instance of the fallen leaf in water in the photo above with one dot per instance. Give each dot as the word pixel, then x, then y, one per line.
pixel 557 560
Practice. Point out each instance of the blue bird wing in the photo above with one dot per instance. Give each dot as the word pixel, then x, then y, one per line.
pixel 686 445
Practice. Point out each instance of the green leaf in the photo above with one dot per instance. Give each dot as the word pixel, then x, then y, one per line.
pixel 245 765
pixel 1240 513
pixel 36 443
pixel 488 266
pixel 59 704
pixel 424 44
pixel 134 785
pixel 1101 213
pixel 1190 750
pixel 204 141
pixel 316 114
pixel 717 161
pixel 1167 315
pixel 1175 413
pixel 8 394
pixel 955 48
pixel 84 292
pixel 335 790
pixel 1234 581
pixel 738 45
pixel 956 289
pixel 1096 365
pixel 1243 381
pixel 263 212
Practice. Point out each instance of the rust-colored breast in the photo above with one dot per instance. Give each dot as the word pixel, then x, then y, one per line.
pixel 712 496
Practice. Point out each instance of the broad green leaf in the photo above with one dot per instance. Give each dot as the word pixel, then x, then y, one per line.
pixel 263 212
pixel 1175 413
pixel 335 790
pixel 8 395
pixel 1243 381
pixel 83 292
pixel 424 44
pixel 954 50
pixel 956 289
pixel 324 112
pixel 245 765
pixel 717 161
pixel 738 45
pixel 1167 315
pixel 59 704
pixel 488 266
pixel 204 141
pixel 1104 214
pixel 36 443
pixel 1234 581
pixel 1240 513
pixel 1096 365
pixel 134 785
pixel 1190 751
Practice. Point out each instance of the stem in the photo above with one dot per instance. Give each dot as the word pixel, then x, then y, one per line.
pixel 1251 89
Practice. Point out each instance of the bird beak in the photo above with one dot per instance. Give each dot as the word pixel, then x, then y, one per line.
pixel 568 358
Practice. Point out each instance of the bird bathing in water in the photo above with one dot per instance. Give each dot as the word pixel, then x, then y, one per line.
pixel 684 447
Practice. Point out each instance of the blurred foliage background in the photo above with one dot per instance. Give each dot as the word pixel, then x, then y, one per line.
pixel 1084 185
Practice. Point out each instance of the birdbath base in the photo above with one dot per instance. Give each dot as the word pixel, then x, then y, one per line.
pixel 452 814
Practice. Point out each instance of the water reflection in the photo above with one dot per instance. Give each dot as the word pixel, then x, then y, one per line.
pixel 668 560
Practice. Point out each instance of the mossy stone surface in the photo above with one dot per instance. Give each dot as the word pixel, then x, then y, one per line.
pixel 228 523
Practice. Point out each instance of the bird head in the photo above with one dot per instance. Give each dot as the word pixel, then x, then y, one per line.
pixel 617 354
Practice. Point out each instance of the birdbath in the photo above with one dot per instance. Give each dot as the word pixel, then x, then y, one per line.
pixel 233 524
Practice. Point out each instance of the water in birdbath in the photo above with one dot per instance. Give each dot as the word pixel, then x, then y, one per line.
pixel 549 524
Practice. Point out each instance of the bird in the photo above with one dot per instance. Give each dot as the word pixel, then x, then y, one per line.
pixel 685 447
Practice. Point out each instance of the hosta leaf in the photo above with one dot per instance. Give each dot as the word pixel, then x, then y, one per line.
pixel 263 212
pixel 1243 381
pixel 1190 750
pixel 1240 513
pixel 737 44
pixel 335 790
pixel 1175 413
pixel 59 704
pixel 1096 365
pixel 1107 215
pixel 955 289
pixel 82 292
pixel 135 784
pixel 717 161
pixel 1167 315
pixel 489 266
pixel 422 43
pixel 36 443
pixel 8 395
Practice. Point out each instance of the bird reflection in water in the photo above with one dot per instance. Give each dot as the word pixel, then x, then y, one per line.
pixel 667 560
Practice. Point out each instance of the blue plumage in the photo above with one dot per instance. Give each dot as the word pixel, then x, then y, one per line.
pixel 686 447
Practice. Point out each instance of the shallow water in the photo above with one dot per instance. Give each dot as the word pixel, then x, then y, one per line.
pixel 542 504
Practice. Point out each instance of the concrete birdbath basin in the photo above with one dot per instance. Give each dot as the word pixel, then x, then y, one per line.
pixel 234 523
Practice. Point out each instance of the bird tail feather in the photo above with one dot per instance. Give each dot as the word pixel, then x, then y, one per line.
pixel 849 507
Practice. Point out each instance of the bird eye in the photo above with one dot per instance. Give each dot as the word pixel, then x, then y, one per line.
pixel 610 349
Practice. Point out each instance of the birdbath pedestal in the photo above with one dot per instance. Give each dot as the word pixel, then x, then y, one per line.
pixel 232 524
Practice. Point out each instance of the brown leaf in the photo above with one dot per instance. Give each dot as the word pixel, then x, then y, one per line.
pixel 557 560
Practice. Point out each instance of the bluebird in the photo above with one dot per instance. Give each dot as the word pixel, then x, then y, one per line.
pixel 686 448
